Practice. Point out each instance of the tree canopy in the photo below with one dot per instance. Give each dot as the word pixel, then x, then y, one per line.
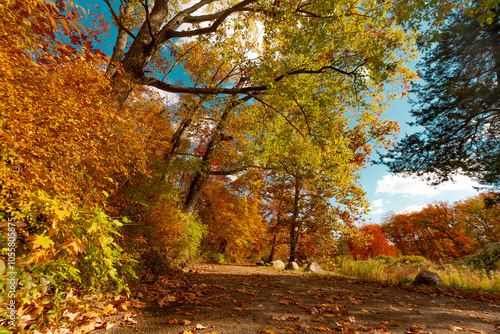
pixel 457 104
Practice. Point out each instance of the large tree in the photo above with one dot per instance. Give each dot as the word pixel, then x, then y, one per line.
pixel 458 104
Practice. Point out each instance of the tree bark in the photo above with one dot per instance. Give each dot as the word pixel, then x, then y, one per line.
pixel 294 224
pixel 273 248
pixel 202 174
pixel 121 42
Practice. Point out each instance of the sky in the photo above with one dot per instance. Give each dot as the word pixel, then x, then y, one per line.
pixel 388 192
pixel 385 192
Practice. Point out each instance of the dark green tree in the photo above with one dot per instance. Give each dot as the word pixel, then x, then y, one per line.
pixel 458 105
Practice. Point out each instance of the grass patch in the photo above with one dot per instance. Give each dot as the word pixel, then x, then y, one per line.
pixel 461 277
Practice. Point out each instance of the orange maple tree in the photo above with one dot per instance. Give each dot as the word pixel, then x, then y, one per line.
pixel 369 242
pixel 443 230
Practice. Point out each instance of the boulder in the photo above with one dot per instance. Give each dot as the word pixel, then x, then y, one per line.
pixel 426 277
pixel 278 264
pixel 260 263
pixel 292 266
pixel 314 267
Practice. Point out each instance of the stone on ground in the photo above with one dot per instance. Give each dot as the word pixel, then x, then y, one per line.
pixel 260 263
pixel 292 266
pixel 314 267
pixel 426 277
pixel 278 264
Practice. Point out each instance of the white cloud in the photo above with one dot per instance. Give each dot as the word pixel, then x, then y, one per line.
pixel 410 186
pixel 411 208
pixel 167 98
pixel 377 212
pixel 378 203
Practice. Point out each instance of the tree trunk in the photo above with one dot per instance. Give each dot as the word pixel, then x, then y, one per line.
pixel 294 224
pixel 273 248
pixel 202 174
pixel 121 42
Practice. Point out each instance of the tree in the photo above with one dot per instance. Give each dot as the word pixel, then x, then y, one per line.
pixel 458 104
pixel 445 230
pixel 376 242
pixel 231 214
pixel 480 219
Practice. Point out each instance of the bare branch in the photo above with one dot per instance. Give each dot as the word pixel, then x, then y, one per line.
pixel 219 18
pixel 281 114
pixel 117 20
pixel 153 82
pixel 197 6
pixel 307 121
pixel 148 18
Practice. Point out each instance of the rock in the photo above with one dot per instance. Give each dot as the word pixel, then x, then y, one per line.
pixel 314 267
pixel 426 277
pixel 292 266
pixel 277 264
pixel 260 263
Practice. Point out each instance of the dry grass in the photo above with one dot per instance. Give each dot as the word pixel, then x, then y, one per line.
pixel 462 277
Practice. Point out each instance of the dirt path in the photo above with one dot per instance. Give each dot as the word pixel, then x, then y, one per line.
pixel 248 299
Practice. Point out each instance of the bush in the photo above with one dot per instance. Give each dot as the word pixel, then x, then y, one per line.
pixel 386 258
pixel 170 240
pixel 413 259
pixel 487 258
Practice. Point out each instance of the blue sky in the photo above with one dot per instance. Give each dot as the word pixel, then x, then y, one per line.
pixel 388 192
pixel 385 192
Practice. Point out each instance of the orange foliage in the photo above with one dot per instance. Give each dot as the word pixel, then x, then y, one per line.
pixel 442 230
pixel 235 226
pixel 376 243
pixel 65 146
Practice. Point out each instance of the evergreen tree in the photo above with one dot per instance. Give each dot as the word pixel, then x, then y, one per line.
pixel 458 105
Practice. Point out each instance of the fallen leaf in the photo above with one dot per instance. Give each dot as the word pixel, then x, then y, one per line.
pixel 185 322
pixel 200 327
pixel 281 317
pixel 69 315
pixel 173 322
pixel 109 309
pixel 128 317
pixel 268 331
pixel 477 331
pixel 392 308
pixel 323 329
pixel 455 328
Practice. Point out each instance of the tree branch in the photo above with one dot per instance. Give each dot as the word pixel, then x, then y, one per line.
pixel 148 18
pixel 117 20
pixel 219 17
pixel 153 82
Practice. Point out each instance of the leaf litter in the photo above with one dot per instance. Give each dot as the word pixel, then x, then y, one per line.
pixel 247 299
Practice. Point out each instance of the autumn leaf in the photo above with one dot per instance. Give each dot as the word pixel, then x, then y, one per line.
pixel 323 329
pixel 110 309
pixel 42 241
pixel 455 328
pixel 477 331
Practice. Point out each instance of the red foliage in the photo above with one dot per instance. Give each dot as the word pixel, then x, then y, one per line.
pixel 369 242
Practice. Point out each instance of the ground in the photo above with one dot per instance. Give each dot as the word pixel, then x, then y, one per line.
pixel 249 299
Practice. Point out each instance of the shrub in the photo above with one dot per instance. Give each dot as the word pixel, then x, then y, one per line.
pixel 487 258
pixel 413 259
pixel 170 239
pixel 386 258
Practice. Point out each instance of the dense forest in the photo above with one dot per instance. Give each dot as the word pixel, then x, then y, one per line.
pixel 227 131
